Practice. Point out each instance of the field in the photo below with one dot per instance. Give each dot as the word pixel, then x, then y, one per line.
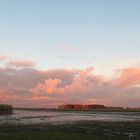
pixel 82 130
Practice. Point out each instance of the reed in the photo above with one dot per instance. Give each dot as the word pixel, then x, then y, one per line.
pixel 6 109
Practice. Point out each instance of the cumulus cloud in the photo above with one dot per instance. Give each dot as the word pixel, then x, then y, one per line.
pixel 33 87
pixel 86 87
pixel 129 77
pixel 49 87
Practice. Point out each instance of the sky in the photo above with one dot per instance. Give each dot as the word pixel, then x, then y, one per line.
pixel 69 51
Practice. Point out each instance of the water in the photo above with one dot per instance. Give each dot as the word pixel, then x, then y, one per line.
pixel 32 117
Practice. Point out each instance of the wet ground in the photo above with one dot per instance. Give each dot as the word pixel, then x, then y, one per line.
pixel 61 117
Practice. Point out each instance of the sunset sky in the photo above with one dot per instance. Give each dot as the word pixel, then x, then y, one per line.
pixel 69 51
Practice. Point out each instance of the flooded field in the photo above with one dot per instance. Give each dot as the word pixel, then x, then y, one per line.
pixel 60 117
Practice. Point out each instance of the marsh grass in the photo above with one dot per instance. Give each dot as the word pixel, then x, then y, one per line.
pixel 82 130
pixel 6 109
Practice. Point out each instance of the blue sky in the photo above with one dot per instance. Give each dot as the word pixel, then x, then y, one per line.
pixel 54 34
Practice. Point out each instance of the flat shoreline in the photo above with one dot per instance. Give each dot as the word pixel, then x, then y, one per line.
pixel 79 110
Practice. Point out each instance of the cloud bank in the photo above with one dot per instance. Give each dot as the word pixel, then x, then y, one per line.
pixel 30 87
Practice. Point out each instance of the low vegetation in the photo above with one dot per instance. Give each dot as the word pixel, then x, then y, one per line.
pixel 5 109
pixel 83 130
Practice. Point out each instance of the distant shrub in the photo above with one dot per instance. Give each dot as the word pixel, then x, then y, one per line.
pixel 6 109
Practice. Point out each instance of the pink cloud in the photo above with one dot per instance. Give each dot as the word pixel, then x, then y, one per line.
pixel 67 47
pixel 84 87
pixel 32 87
pixel 50 86
pixel 21 63
pixel 2 57
pixel 129 77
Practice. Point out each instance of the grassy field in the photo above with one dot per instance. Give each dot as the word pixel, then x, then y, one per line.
pixel 83 130
pixel 5 109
